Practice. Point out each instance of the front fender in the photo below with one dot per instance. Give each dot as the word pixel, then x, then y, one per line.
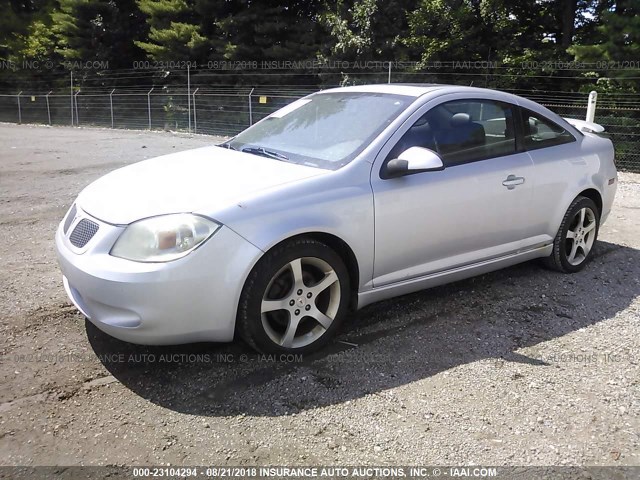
pixel 339 204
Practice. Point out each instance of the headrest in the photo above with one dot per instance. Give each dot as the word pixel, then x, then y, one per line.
pixel 460 119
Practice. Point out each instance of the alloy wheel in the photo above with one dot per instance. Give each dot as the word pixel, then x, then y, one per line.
pixel 580 236
pixel 300 302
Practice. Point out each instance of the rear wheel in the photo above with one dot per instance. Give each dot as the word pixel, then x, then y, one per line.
pixel 576 237
pixel 294 299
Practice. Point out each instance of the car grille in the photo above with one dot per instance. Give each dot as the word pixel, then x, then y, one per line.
pixel 70 218
pixel 84 231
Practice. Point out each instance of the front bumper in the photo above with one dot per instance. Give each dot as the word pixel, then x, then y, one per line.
pixel 192 299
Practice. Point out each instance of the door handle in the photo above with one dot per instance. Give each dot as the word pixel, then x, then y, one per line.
pixel 511 181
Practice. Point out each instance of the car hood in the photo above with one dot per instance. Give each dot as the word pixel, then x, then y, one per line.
pixel 201 179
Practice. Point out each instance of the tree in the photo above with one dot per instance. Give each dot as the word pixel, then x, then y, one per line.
pixel 613 42
pixel 443 30
pixel 270 30
pixel 24 29
pixel 174 30
pixel 616 38
pixel 101 30
pixel 367 29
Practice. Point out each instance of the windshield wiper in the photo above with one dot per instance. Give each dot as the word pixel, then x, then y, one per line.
pixel 226 145
pixel 265 153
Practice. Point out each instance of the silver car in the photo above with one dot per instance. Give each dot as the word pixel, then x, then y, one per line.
pixel 343 198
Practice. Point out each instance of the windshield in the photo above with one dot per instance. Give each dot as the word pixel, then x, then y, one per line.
pixel 324 130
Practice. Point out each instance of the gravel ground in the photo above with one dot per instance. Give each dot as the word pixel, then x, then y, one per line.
pixel 518 367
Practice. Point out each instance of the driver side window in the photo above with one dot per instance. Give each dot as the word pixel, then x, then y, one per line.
pixel 419 135
pixel 463 131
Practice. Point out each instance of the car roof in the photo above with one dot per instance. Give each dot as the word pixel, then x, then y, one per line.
pixel 411 90
pixel 419 89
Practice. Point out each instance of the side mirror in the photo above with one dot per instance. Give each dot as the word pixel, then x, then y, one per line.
pixel 414 160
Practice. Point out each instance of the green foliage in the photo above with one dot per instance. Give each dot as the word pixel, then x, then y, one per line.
pixel 617 36
pixel 614 45
pixel 269 30
pixel 160 13
pixel 24 29
pixel 354 34
pixel 366 29
pixel 512 32
pixel 101 30
pixel 38 43
pixel 176 42
pixel 481 30
pixel 438 30
pixel 174 33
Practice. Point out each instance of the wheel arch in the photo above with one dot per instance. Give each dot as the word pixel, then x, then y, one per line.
pixel 589 191
pixel 594 195
pixel 342 248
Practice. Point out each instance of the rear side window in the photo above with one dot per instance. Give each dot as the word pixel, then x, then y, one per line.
pixel 540 132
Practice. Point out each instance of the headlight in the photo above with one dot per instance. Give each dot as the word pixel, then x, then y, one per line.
pixel 164 238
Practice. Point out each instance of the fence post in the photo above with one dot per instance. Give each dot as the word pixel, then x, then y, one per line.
pixel 46 97
pixel 71 96
pixel 75 96
pixel 195 116
pixel 19 108
pixel 149 105
pixel 591 106
pixel 250 109
pixel 189 93
pixel 111 105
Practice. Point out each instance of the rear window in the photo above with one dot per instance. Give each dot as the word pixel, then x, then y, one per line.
pixel 540 132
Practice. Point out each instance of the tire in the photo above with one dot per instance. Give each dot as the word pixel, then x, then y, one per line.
pixel 294 299
pixel 581 222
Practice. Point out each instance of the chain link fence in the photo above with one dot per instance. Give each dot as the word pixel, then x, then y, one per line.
pixel 618 114
pixel 145 103
pixel 211 112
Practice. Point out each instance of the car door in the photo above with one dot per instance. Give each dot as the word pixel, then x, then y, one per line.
pixel 472 210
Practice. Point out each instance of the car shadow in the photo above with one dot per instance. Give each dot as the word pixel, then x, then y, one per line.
pixel 385 345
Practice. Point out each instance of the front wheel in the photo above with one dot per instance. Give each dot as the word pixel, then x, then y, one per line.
pixel 294 299
pixel 576 237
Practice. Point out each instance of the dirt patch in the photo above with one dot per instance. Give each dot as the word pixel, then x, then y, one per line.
pixel 521 366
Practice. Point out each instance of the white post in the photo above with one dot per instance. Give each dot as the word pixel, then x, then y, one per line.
pixel 149 105
pixel 46 97
pixel 389 80
pixel 250 109
pixel 195 117
pixel 591 106
pixel 189 94
pixel 75 96
pixel 71 97
pixel 111 105
pixel 19 109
